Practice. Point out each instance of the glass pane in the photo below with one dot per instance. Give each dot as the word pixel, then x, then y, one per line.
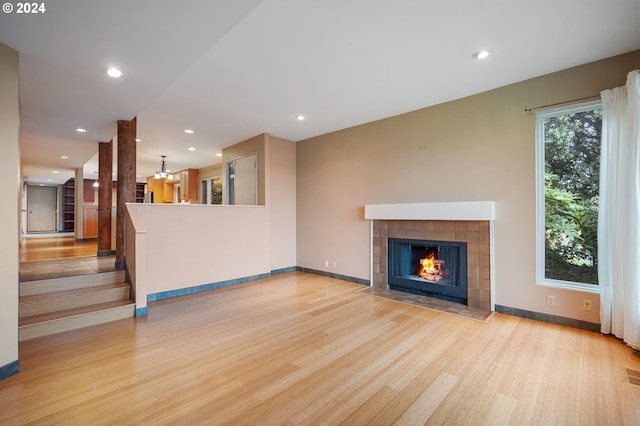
pixel 216 190
pixel 571 183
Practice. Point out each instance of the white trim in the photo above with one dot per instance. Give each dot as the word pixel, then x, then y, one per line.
pixel 465 210
pixel 568 285
pixel 371 253
pixel 492 264
pixel 541 280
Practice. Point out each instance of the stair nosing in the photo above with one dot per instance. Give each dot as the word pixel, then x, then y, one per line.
pixel 86 309
pixel 62 276
pixel 35 287
pixel 70 294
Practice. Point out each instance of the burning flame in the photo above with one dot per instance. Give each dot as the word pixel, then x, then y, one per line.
pixel 431 267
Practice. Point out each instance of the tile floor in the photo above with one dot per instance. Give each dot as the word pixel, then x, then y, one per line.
pixel 429 302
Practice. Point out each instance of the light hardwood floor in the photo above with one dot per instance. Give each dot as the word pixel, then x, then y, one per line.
pixel 303 349
pixel 36 248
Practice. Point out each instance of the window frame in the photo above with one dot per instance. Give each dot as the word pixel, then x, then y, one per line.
pixel 541 280
pixel 205 196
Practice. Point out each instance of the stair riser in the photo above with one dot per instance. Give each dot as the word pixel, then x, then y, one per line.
pixel 30 288
pixel 28 332
pixel 70 302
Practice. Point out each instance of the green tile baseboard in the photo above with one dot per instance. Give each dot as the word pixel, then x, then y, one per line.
pixel 552 319
pixel 9 369
pixel 332 275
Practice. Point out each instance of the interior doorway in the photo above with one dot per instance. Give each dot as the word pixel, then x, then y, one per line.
pixel 242 178
pixel 41 209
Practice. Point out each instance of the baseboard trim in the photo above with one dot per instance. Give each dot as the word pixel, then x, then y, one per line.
pixel 9 369
pixel 102 253
pixel 552 319
pixel 332 275
pixel 283 270
pixel 141 312
pixel 203 287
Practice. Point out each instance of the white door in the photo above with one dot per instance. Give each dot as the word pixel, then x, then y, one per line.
pixel 41 209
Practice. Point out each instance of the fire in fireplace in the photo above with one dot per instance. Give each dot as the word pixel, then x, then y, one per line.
pixel 432 268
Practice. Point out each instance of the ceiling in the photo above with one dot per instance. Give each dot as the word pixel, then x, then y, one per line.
pixel 232 69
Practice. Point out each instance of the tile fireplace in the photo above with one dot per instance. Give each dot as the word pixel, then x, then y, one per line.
pixel 465 227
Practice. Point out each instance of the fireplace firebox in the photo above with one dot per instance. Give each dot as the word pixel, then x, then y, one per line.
pixel 432 268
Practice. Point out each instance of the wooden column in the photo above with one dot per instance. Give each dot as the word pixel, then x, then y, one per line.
pixel 126 182
pixel 105 197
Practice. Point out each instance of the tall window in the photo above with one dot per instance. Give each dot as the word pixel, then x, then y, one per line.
pixel 568 167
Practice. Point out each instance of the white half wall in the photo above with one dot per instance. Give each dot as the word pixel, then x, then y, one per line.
pixel 177 246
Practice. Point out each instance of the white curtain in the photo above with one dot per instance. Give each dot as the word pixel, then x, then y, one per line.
pixel 619 212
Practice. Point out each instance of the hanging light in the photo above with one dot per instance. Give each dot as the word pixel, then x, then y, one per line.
pixel 95 183
pixel 163 172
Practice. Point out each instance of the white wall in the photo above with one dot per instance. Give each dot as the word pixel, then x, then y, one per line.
pixel 10 187
pixel 185 245
pixel 477 148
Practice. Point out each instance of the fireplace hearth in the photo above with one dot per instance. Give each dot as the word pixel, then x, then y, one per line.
pixel 428 267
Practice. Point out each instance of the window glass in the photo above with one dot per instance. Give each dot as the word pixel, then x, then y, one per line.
pixel 568 167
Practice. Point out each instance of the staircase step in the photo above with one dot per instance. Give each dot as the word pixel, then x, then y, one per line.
pixel 30 288
pixel 72 319
pixel 62 300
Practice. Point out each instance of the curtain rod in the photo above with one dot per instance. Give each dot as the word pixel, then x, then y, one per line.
pixel 560 103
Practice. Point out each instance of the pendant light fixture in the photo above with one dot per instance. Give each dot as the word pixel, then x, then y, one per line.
pixel 95 183
pixel 163 172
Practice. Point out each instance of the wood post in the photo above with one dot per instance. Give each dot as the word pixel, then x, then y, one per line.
pixel 126 182
pixel 105 197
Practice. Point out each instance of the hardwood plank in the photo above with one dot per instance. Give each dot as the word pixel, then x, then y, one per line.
pixel 429 400
pixel 55 247
pixel 302 349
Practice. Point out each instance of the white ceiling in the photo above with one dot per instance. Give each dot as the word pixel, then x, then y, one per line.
pixel 231 69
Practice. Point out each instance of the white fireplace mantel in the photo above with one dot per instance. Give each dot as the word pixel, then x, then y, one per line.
pixel 464 210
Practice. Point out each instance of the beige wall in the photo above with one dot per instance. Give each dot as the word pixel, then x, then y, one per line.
pixel 10 187
pixel 185 245
pixel 476 148
pixel 209 172
pixel 282 202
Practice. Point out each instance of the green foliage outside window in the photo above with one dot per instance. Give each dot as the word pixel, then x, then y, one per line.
pixel 571 181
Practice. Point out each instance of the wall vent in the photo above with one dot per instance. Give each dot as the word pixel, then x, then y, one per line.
pixel 633 376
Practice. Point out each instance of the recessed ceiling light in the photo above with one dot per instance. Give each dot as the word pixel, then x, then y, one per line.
pixel 191 148
pixel 81 130
pixel 189 131
pixel 64 157
pixel 482 54
pixel 114 72
pixel 219 155
pixel 300 117
pixel 42 184
pixel 54 171
pixel 49 180
pixel 138 140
